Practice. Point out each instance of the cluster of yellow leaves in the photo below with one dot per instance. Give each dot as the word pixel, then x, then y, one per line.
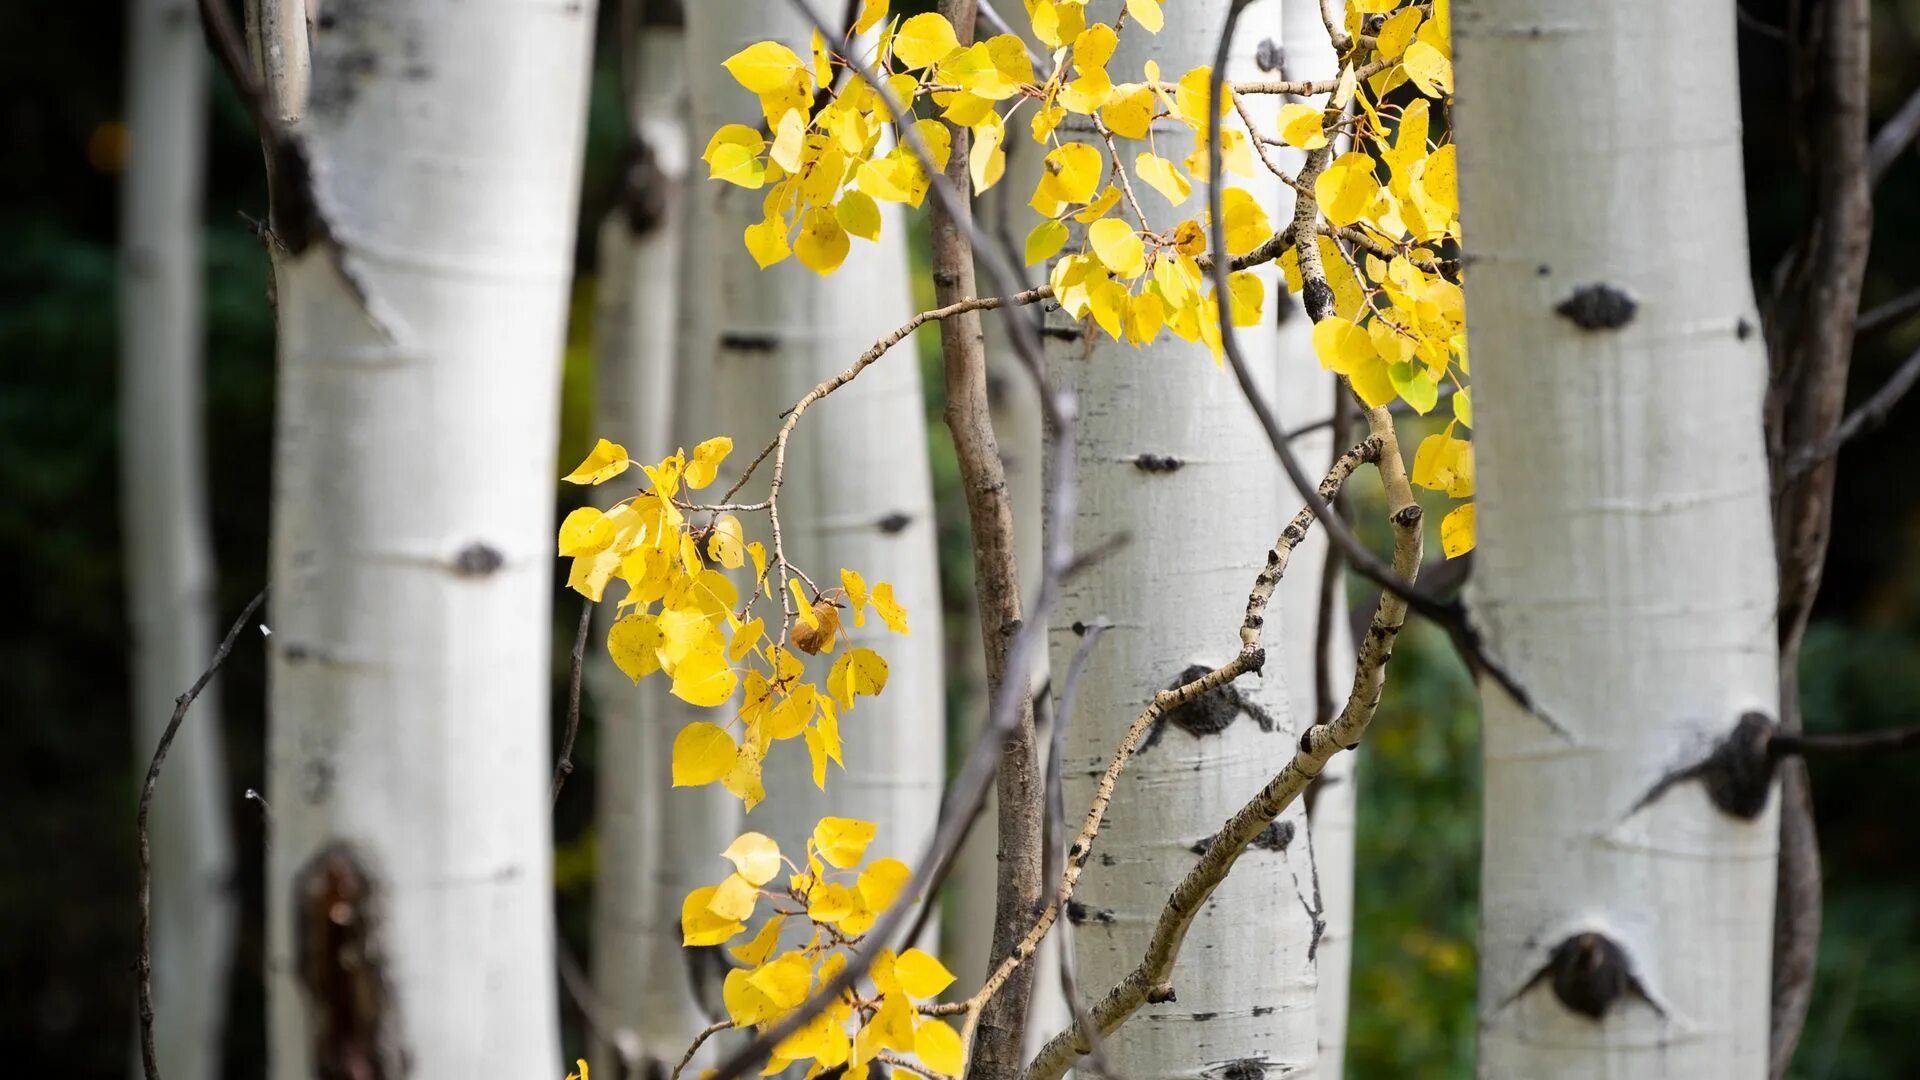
pixel 1399 328
pixel 683 616
pixel 826 169
pixel 841 900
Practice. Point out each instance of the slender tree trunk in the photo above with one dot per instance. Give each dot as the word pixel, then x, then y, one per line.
pixel 1304 393
pixel 1625 571
pixel 857 491
pixel 163 491
pixel 1168 451
pixel 409 908
pixel 655 844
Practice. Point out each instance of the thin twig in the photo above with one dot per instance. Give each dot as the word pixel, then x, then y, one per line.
pixel 564 767
pixel 1871 413
pixel 699 1040
pixel 1785 743
pixel 1893 138
pixel 143 966
pixel 1875 319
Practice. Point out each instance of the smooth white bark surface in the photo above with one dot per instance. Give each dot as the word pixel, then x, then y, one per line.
pixel 1176 594
pixel 1625 572
pixel 857 492
pixel 163 500
pixel 413 521
pixel 1303 395
pixel 655 844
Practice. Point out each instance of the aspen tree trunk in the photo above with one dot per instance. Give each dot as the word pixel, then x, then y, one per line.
pixel 1303 395
pixel 655 844
pixel 857 492
pixel 163 495
pixel 1169 452
pixel 1625 571
pixel 409 907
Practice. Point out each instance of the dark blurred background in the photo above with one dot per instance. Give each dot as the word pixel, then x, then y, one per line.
pixel 68 770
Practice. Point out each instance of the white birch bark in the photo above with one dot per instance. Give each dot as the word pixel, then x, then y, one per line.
pixel 163 496
pixel 1305 393
pixel 412 535
pixel 1625 571
pixel 857 492
pixel 1175 596
pixel 655 844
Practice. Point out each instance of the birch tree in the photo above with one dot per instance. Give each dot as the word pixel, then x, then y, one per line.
pixel 858 494
pixel 164 513
pixel 422 294
pixel 1626 575
pixel 653 846
pixel 1166 448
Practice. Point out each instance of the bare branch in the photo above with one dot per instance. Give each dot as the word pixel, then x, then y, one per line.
pixel 1873 320
pixel 1867 417
pixel 1893 139
pixel 699 1040
pixel 564 767
pixel 1853 742
pixel 143 965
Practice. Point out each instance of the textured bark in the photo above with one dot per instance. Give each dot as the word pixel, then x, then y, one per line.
pixel 164 516
pixel 857 491
pixel 1811 325
pixel 409 909
pixel 1623 570
pixel 1169 453
pixel 1019 803
pixel 655 844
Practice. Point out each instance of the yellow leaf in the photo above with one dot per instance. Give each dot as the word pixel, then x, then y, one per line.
pixel 859 672
pixel 986 161
pixel 634 644
pixel 1097 209
pixel 699 926
pixel 1074 170
pixel 880 883
pixel 755 952
pixel 584 532
pixel 788 140
pixel 1245 221
pixel 1118 246
pixel 743 780
pixel 1463 407
pixel 858 214
pixel 1462 486
pixel 755 856
pixel 1093 47
pixel 842 841
pixel 1397 33
pixel 704 679
pixel 1190 98
pixel 1009 55
pixel 829 903
pixel 785 981
pixel 1161 176
pixel 817 757
pixel 702 753
pixel 734 898
pixel 726 544
pixel 733 155
pixel 763 67
pixel 921 975
pixel 1457 531
pixel 1129 112
pixel 1429 69
pixel 1346 188
pixel 871 12
pixel 1438 180
pixel 1045 241
pixel 822 244
pixel 757 551
pixel 590 573
pixel 856 587
pixel 794 713
pixel 1249 296
pixel 1341 346
pixel 1148 14
pixel 889 609
pixel 1302 126
pixel 924 39
pixel 767 241
pixel 606 461
pixel 1371 381
pixel 745 1004
pixel 937 1045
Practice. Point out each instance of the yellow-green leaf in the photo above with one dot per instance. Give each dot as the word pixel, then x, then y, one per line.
pixel 702 753
pixel 604 462
pixel 1118 246
pixel 858 214
pixel 1045 241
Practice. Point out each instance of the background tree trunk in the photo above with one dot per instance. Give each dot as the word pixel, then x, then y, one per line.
pixel 420 337
pixel 1625 571
pixel 655 844
pixel 164 519
pixel 1304 393
pixel 1175 595
pixel 857 492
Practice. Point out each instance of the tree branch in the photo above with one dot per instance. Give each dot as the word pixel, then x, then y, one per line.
pixel 1893 139
pixel 143 965
pixel 563 768
pixel 1870 414
pixel 1784 743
